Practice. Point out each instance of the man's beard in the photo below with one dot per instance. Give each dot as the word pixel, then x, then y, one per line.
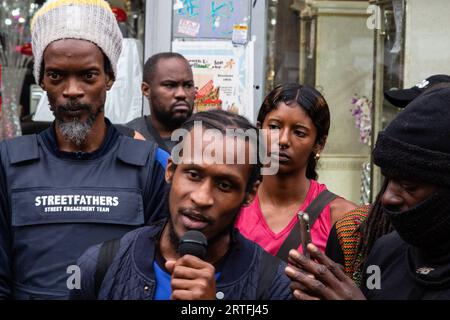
pixel 75 131
pixel 171 120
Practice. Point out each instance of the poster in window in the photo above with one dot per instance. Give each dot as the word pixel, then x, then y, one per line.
pixel 223 74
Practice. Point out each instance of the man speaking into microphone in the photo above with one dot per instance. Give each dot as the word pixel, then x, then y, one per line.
pixel 196 254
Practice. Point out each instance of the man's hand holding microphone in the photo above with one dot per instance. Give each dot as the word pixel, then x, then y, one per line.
pixel 192 277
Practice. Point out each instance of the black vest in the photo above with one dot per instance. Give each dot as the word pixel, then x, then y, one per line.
pixel 60 207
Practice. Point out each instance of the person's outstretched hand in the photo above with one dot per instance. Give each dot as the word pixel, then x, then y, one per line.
pixel 320 279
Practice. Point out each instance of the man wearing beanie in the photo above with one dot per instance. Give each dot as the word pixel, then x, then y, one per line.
pixel 412 262
pixel 80 182
pixel 413 153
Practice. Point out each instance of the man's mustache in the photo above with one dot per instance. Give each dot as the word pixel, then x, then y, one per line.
pixel 195 214
pixel 74 107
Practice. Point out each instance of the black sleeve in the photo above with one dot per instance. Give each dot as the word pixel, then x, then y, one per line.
pixel 333 249
pixel 125 130
pixel 88 266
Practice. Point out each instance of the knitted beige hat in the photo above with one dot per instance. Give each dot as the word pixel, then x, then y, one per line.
pixel 90 20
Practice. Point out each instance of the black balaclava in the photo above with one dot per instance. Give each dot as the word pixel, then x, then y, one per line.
pixel 427 225
pixel 416 145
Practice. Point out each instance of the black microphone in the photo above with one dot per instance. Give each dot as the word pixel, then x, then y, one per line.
pixel 194 243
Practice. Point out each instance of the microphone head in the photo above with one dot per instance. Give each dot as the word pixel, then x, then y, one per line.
pixel 194 243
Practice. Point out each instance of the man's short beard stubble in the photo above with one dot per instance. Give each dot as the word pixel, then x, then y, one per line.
pixel 169 120
pixel 75 131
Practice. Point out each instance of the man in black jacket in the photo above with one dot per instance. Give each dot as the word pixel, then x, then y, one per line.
pixel 208 186
pixel 168 85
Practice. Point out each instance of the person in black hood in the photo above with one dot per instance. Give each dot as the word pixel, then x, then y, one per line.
pixel 413 261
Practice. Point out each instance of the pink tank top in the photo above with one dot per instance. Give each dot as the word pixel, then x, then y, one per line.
pixel 252 224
